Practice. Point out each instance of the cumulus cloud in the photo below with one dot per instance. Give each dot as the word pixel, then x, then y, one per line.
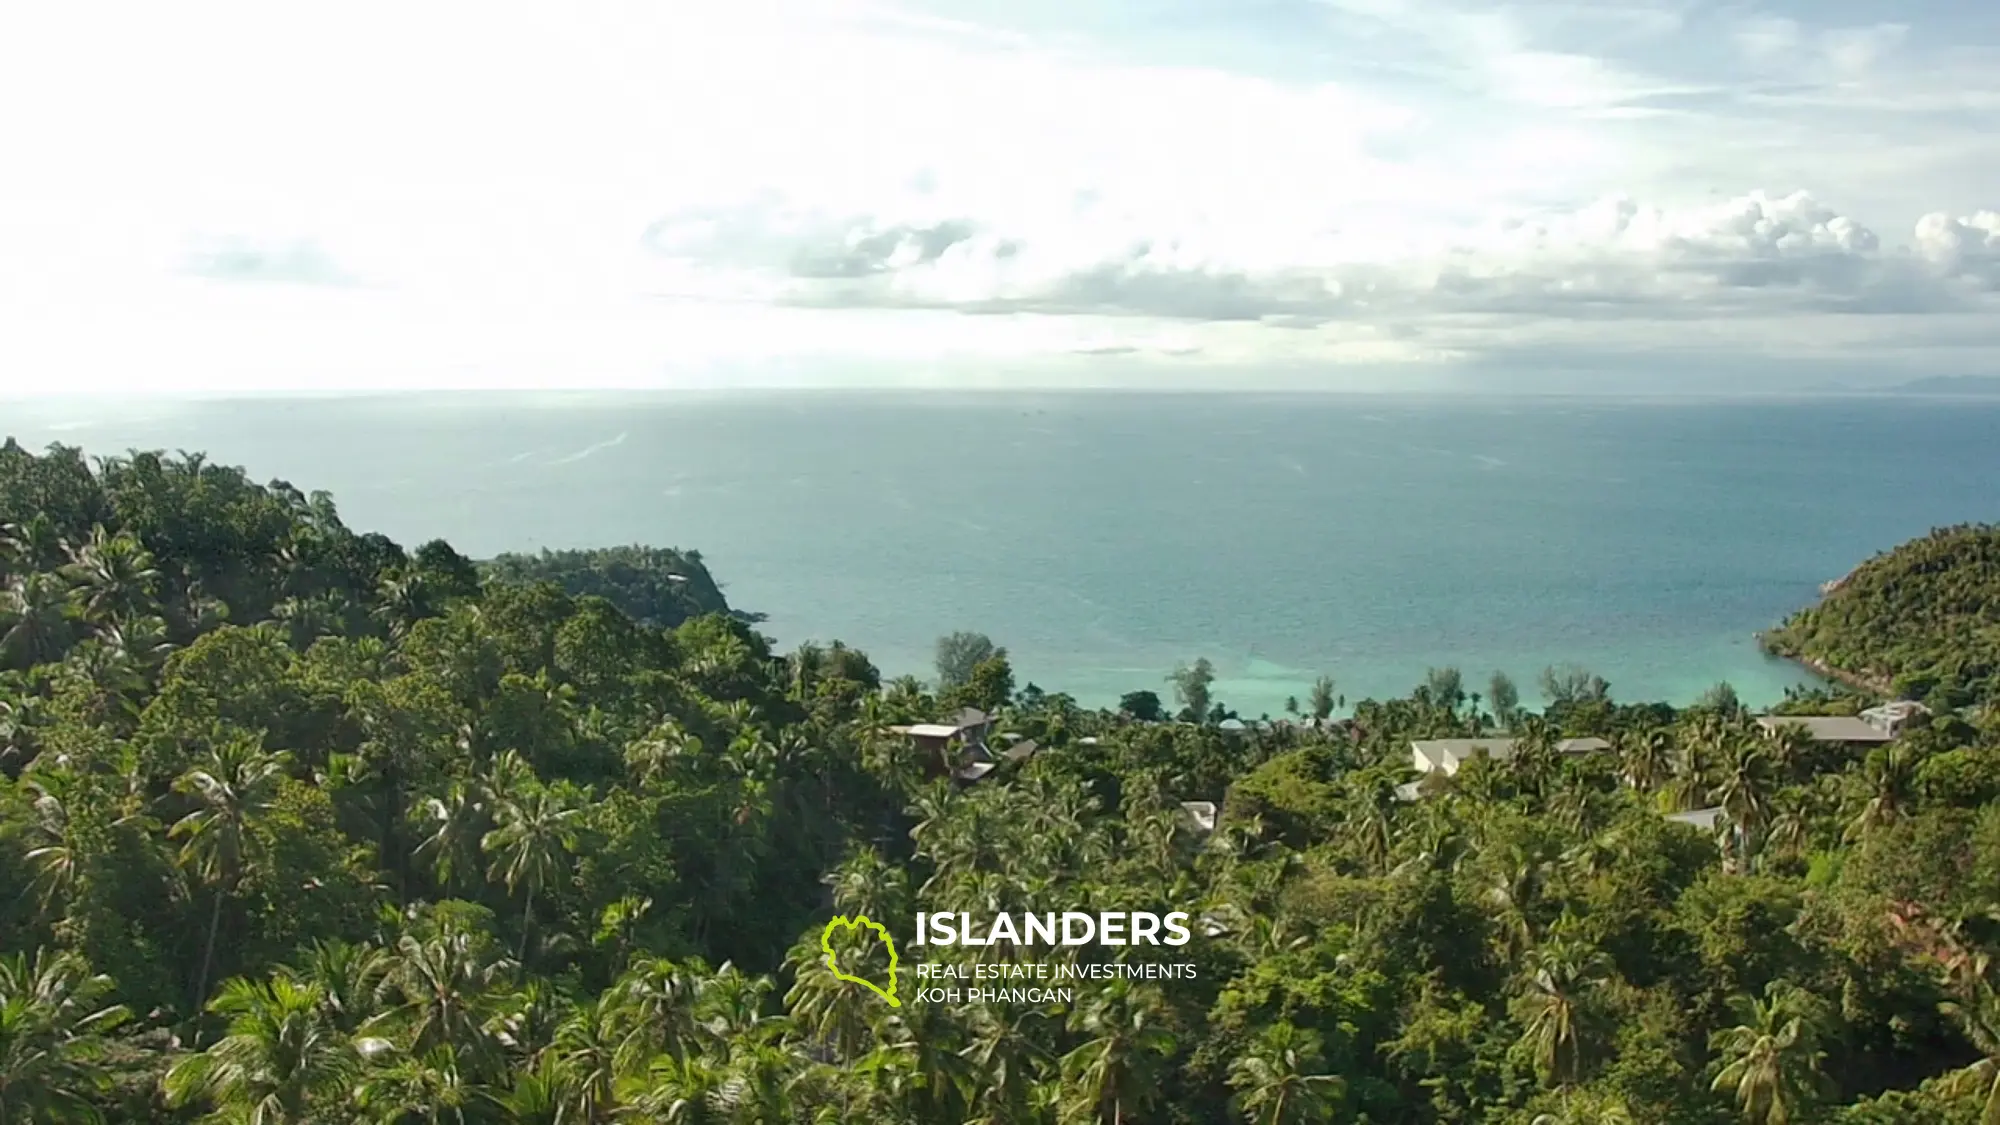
pixel 1751 255
pixel 1967 247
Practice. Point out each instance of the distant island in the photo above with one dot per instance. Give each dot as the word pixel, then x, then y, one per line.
pixel 1969 385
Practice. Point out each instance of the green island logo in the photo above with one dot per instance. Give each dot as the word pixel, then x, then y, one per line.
pixel 856 922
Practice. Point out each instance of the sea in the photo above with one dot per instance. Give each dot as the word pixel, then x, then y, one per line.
pixel 1104 538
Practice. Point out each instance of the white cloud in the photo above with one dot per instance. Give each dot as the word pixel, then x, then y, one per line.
pixel 693 185
pixel 1967 247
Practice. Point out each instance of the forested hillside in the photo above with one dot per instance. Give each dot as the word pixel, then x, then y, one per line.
pixel 1922 619
pixel 298 826
pixel 653 586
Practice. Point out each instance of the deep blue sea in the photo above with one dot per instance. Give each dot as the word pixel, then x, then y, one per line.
pixel 1102 538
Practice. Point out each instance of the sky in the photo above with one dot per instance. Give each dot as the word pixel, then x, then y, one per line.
pixel 223 197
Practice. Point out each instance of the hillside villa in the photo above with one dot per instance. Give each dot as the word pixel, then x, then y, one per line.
pixel 959 741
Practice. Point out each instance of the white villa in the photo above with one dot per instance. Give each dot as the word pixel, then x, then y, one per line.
pixel 1844 730
pixel 1444 756
pixel 1448 754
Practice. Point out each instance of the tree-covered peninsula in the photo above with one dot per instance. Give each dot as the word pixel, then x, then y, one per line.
pixel 1920 621
pixel 298 825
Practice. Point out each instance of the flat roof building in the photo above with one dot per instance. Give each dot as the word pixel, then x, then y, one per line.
pixel 1448 754
pixel 1845 729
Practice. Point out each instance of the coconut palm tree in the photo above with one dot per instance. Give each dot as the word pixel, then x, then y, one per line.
pixel 33 545
pixel 1645 760
pixel 54 861
pixel 349 979
pixel 1888 782
pixel 530 846
pixel 281 1063
pixel 52 1027
pixel 433 1088
pixel 586 1054
pixel 232 786
pixel 659 997
pixel 1976 1011
pixel 1006 1063
pixel 34 620
pixel 1577 1109
pixel 1790 832
pixel 450 828
pixel 1562 976
pixel 1116 1070
pixel 1743 787
pixel 678 1091
pixel 112 578
pixel 441 988
pixel 1282 1079
pixel 1770 1060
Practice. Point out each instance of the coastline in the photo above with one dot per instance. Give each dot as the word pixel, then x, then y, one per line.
pixel 1852 680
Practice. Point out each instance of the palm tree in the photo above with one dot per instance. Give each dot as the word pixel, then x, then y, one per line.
pixel 349 979
pixel 52 1028
pixel 35 545
pixel 432 1088
pixel 1117 1067
pixel 586 1054
pixel 1646 760
pixel 1367 820
pixel 445 982
pixel 1535 759
pixel 1579 1109
pixel 53 791
pixel 1516 895
pixel 1976 1011
pixel 1789 747
pixel 1692 780
pixel 34 620
pixel 232 788
pixel 529 848
pixel 1005 1062
pixel 402 602
pixel 282 1062
pixel 451 827
pixel 1790 831
pixel 112 577
pixel 677 1091
pixel 1888 781
pixel 1281 1080
pixel 1770 1060
pixel 659 996
pixel 1562 975
pixel 1743 790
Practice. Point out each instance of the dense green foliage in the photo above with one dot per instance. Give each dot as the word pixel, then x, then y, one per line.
pixel 652 586
pixel 1922 620
pixel 296 826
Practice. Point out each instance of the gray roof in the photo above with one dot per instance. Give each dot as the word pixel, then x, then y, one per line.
pixel 1202 813
pixel 1704 819
pixel 1437 749
pixel 969 717
pixel 976 770
pixel 1828 728
pixel 1021 751
pixel 1895 711
pixel 929 730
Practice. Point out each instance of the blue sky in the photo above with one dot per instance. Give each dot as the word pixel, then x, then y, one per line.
pixel 1378 193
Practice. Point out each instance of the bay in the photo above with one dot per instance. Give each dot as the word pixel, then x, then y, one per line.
pixel 1103 538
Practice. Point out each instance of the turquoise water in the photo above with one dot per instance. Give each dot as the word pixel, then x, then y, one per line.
pixel 1104 538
